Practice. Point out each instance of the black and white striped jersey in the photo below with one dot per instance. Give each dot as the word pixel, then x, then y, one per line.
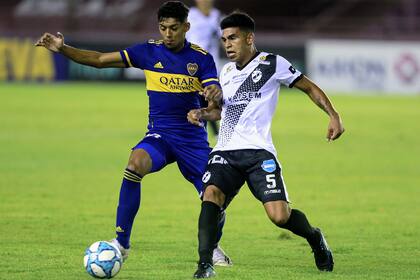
pixel 250 98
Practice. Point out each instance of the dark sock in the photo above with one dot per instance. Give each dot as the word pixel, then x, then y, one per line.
pixel 129 204
pixel 299 225
pixel 220 226
pixel 207 230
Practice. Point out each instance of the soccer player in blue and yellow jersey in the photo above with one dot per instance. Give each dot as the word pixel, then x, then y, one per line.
pixel 176 73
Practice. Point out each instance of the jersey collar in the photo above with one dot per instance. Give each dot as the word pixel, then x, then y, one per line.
pixel 246 64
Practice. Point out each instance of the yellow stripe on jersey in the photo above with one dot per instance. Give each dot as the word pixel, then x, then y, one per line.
pixel 198 48
pixel 176 83
pixel 128 58
pixel 210 80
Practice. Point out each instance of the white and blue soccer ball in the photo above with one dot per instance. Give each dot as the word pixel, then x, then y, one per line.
pixel 102 260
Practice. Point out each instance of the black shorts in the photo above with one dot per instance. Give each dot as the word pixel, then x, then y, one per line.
pixel 229 170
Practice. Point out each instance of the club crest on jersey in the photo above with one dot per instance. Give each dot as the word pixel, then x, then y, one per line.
pixel 206 177
pixel 256 75
pixel 192 68
pixel 269 165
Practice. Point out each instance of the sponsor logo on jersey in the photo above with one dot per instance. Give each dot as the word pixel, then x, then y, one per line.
pixel 177 82
pixel 269 165
pixel 158 65
pixel 192 68
pixel 243 96
pixel 169 82
pixel 206 177
pixel 256 75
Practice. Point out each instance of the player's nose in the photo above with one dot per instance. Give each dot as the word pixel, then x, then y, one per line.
pixel 168 33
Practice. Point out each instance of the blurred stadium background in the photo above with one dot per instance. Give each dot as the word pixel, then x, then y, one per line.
pixel 379 47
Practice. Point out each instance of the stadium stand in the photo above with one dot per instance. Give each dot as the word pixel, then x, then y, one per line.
pixel 130 20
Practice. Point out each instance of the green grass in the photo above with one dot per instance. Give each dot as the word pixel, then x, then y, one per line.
pixel 63 148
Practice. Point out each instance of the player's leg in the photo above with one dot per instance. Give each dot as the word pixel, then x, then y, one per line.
pixel 295 220
pixel 267 185
pixel 192 161
pixel 222 182
pixel 150 155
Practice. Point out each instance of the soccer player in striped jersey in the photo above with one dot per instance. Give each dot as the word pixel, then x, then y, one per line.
pixel 176 73
pixel 205 32
pixel 244 151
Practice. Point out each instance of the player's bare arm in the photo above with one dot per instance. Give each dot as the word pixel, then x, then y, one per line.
pixel 317 95
pixel 211 113
pixel 55 43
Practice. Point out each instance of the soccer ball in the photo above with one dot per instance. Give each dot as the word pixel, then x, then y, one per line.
pixel 102 260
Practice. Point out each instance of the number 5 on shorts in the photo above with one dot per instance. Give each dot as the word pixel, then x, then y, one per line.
pixel 271 180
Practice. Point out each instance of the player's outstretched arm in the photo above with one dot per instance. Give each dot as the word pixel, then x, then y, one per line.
pixel 317 95
pixel 211 113
pixel 55 43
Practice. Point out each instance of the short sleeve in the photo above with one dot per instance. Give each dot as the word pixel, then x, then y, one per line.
pixel 286 73
pixel 208 72
pixel 134 56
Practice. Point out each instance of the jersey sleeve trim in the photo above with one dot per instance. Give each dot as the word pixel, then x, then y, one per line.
pixel 292 84
pixel 126 58
pixel 210 80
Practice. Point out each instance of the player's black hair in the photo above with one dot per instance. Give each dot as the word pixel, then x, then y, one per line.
pixel 238 19
pixel 173 9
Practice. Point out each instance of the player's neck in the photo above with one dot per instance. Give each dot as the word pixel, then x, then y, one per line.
pixel 178 48
pixel 247 59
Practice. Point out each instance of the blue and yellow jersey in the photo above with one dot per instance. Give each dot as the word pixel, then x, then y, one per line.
pixel 173 81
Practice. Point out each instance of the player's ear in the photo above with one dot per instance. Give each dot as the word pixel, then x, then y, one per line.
pixel 250 38
pixel 187 26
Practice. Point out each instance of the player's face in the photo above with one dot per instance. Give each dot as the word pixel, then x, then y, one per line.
pixel 237 44
pixel 173 33
pixel 204 3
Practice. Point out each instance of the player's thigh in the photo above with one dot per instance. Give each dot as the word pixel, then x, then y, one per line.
pixel 192 161
pixel 151 154
pixel 265 178
pixel 222 173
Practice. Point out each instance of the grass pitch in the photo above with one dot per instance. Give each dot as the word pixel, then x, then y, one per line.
pixel 63 148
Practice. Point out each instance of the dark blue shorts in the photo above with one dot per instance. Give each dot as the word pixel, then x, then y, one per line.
pixel 191 157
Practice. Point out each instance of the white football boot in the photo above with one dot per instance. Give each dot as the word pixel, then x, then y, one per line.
pixel 220 258
pixel 124 251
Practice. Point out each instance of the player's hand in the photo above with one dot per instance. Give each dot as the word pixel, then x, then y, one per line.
pixel 194 117
pixel 51 42
pixel 212 93
pixel 335 128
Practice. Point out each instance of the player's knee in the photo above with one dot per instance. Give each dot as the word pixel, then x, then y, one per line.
pixel 215 195
pixel 279 219
pixel 140 162
pixel 279 214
